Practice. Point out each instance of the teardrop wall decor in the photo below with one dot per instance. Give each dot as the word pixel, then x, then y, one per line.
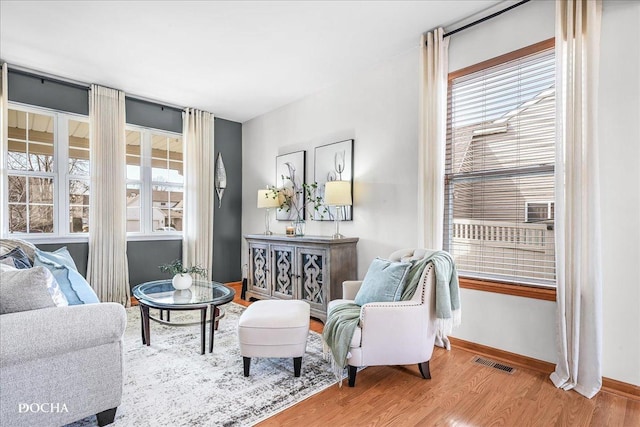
pixel 221 179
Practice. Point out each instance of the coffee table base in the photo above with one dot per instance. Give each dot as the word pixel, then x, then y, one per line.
pixel 146 324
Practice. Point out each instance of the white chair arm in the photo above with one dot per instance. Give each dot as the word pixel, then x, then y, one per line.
pixel 350 288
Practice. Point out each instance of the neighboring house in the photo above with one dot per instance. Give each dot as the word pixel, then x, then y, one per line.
pixel 504 216
pixel 133 215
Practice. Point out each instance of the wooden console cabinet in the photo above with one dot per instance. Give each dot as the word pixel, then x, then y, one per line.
pixel 308 268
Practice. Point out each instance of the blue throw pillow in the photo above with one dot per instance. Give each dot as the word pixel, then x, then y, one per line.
pixel 74 287
pixel 383 282
pixel 20 259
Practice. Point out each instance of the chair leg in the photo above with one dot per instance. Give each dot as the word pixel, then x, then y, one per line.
pixel 297 365
pixel 106 417
pixel 424 370
pixel 247 365
pixel 353 370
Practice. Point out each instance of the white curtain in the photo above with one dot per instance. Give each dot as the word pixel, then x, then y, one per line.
pixel 579 316
pixel 4 94
pixel 197 244
pixel 107 269
pixel 434 57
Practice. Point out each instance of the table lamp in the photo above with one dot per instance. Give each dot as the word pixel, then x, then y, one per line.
pixel 338 194
pixel 267 199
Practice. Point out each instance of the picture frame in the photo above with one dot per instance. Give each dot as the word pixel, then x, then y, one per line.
pixel 290 177
pixel 333 162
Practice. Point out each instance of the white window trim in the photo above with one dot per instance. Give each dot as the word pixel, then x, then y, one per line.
pixel 60 176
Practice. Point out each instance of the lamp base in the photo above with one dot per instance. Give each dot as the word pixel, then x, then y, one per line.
pixel 337 236
pixel 267 232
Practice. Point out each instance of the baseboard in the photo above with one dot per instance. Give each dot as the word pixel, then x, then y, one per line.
pixel 506 356
pixel 619 388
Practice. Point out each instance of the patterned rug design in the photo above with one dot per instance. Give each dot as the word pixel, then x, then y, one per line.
pixel 171 384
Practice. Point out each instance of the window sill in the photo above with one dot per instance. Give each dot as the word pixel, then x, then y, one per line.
pixel 41 240
pixel 546 294
pixel 46 240
pixel 153 237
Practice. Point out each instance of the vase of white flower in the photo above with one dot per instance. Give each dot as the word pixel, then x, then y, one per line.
pixel 298 227
pixel 182 278
pixel 290 199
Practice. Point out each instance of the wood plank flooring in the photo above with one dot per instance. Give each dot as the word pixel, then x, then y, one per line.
pixel 460 393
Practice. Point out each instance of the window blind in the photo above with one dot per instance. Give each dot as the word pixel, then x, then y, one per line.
pixel 499 184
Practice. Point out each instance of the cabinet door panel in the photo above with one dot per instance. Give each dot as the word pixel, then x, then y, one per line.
pixel 283 278
pixel 312 270
pixel 259 282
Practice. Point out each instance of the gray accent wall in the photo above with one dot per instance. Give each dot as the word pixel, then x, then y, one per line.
pixel 45 92
pixel 156 116
pixel 145 257
pixel 227 219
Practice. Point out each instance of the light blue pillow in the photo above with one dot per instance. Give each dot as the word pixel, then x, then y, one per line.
pixel 383 282
pixel 74 287
pixel 60 257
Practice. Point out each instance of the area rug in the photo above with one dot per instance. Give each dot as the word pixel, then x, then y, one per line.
pixel 171 384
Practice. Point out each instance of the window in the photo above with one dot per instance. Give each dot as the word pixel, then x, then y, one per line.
pixel 500 168
pixel 49 177
pixel 155 181
pixel 48 172
pixel 538 211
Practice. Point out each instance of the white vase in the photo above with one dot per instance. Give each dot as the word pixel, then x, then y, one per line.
pixel 182 281
pixel 298 227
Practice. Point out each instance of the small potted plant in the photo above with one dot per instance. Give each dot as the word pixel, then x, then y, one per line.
pixel 182 275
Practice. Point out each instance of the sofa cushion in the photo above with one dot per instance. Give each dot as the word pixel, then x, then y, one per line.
pixel 383 282
pixel 19 258
pixel 23 290
pixel 74 287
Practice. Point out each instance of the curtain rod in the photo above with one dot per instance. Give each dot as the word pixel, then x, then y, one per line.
pixel 486 18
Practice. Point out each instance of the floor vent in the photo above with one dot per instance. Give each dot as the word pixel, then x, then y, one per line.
pixel 492 364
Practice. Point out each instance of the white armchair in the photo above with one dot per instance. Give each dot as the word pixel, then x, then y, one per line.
pixel 394 333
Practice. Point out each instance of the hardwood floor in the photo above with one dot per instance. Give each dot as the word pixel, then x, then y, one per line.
pixel 460 393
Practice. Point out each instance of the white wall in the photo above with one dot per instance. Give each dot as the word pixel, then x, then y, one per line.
pixel 379 109
pixel 619 132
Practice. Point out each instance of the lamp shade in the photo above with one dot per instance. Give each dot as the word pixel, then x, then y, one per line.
pixel 337 193
pixel 266 199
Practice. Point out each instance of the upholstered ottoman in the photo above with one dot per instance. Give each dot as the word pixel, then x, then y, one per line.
pixel 274 328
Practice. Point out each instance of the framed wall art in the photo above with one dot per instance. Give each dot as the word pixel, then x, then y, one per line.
pixel 290 177
pixel 334 162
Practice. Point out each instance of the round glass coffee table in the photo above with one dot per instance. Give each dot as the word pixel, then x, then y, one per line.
pixel 161 295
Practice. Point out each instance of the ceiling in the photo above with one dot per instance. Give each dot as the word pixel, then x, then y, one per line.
pixel 236 59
